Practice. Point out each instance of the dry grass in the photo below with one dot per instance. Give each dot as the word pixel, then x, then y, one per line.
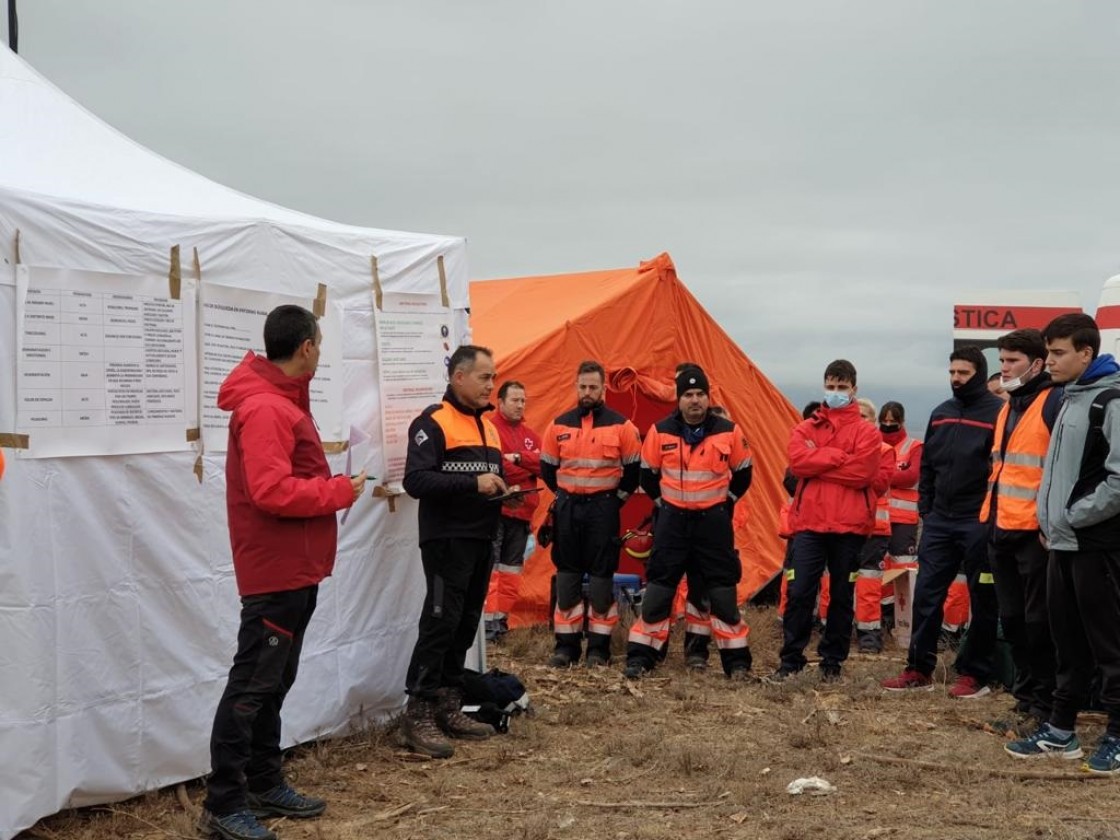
pixel 677 755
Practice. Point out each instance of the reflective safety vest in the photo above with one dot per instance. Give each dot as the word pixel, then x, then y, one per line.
pixel 883 506
pixel 904 500
pixel 695 477
pixel 1017 472
pixel 589 451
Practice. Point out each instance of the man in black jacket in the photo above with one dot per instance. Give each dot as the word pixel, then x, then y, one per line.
pixel 454 463
pixel 951 489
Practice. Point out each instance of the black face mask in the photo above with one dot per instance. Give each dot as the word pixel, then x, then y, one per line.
pixel 889 428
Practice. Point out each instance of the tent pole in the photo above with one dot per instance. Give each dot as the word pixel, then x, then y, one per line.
pixel 13 27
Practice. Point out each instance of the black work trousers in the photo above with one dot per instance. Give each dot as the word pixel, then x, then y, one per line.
pixel 949 547
pixel 1083 594
pixel 457 575
pixel 813 552
pixel 245 741
pixel 1019 563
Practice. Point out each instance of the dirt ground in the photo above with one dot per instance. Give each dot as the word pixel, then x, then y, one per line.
pixel 680 755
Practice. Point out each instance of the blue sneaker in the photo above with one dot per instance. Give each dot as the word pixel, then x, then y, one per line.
pixel 1105 760
pixel 282 801
pixel 240 825
pixel 1045 744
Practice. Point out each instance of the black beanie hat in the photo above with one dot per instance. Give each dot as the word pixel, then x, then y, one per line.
pixel 690 378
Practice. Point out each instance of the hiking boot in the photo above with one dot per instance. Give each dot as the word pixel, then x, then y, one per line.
pixel 635 670
pixel 696 662
pixel 1105 760
pixel 968 688
pixel 240 825
pixel 783 673
pixel 596 659
pixel 830 673
pixel 908 680
pixel 450 718
pixel 738 673
pixel 1045 743
pixel 503 626
pixel 869 641
pixel 282 801
pixel 420 732
pixel 560 659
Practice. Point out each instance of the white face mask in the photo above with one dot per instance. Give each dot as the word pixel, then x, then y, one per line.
pixel 1018 382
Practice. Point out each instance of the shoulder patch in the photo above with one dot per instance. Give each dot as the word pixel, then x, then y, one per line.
pixel 421 436
pixel 667 447
pixel 564 436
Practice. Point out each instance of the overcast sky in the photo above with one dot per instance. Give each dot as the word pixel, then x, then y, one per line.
pixel 827 176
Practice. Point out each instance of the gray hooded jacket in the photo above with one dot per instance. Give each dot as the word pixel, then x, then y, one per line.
pixel 1076 526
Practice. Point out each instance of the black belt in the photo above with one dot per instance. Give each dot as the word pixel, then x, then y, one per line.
pixel 588 497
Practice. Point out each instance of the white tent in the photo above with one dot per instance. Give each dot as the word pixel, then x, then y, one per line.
pixel 118 609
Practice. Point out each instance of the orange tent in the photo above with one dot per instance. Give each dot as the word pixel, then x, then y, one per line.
pixel 640 324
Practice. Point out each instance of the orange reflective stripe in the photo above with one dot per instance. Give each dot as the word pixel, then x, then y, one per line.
pixel 730 636
pixel 589 458
pixel 696 622
pixel 652 635
pixel 695 477
pixel 1016 472
pixel 568 621
pixel 602 623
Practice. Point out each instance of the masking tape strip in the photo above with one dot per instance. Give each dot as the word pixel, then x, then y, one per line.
pixel 10 440
pixel 175 274
pixel 383 492
pixel 319 306
pixel 377 295
pixel 197 265
pixel 335 446
pixel 198 468
pixel 17 245
pixel 444 299
pixel 193 434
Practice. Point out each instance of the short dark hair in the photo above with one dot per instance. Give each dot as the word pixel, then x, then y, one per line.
pixel 974 356
pixel 892 408
pixel 995 377
pixel 1079 328
pixel 285 330
pixel 1029 342
pixel 841 369
pixel 506 386
pixel 591 366
pixel 810 409
pixel 465 355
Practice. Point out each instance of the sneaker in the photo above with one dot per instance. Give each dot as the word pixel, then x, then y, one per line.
pixel 282 801
pixel 696 662
pixel 492 630
pixel 596 659
pixel 869 641
pixel 1045 744
pixel 968 688
pixel 1105 760
pixel 635 670
pixel 503 626
pixel 450 718
pixel 240 825
pixel 908 680
pixel 830 673
pixel 560 659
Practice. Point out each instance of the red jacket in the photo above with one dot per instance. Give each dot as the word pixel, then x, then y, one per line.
pixel 280 495
pixel 519 438
pixel 837 458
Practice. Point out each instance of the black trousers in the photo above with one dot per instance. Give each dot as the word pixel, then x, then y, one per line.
pixel 245 741
pixel 457 575
pixel 510 542
pixel 1083 594
pixel 1019 563
pixel 950 546
pixel 813 552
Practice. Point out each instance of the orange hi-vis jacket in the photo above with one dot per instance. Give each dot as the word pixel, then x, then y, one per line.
pixel 588 452
pixel 700 476
pixel 1017 468
pixel 883 503
pixel 904 496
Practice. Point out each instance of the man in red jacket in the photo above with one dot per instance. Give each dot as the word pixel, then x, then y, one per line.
pixel 281 499
pixel 521 452
pixel 838 461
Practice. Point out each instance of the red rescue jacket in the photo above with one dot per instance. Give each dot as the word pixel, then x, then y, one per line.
pixel 519 438
pixel 280 495
pixel 836 457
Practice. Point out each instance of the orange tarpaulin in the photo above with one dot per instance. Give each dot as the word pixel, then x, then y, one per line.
pixel 640 324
